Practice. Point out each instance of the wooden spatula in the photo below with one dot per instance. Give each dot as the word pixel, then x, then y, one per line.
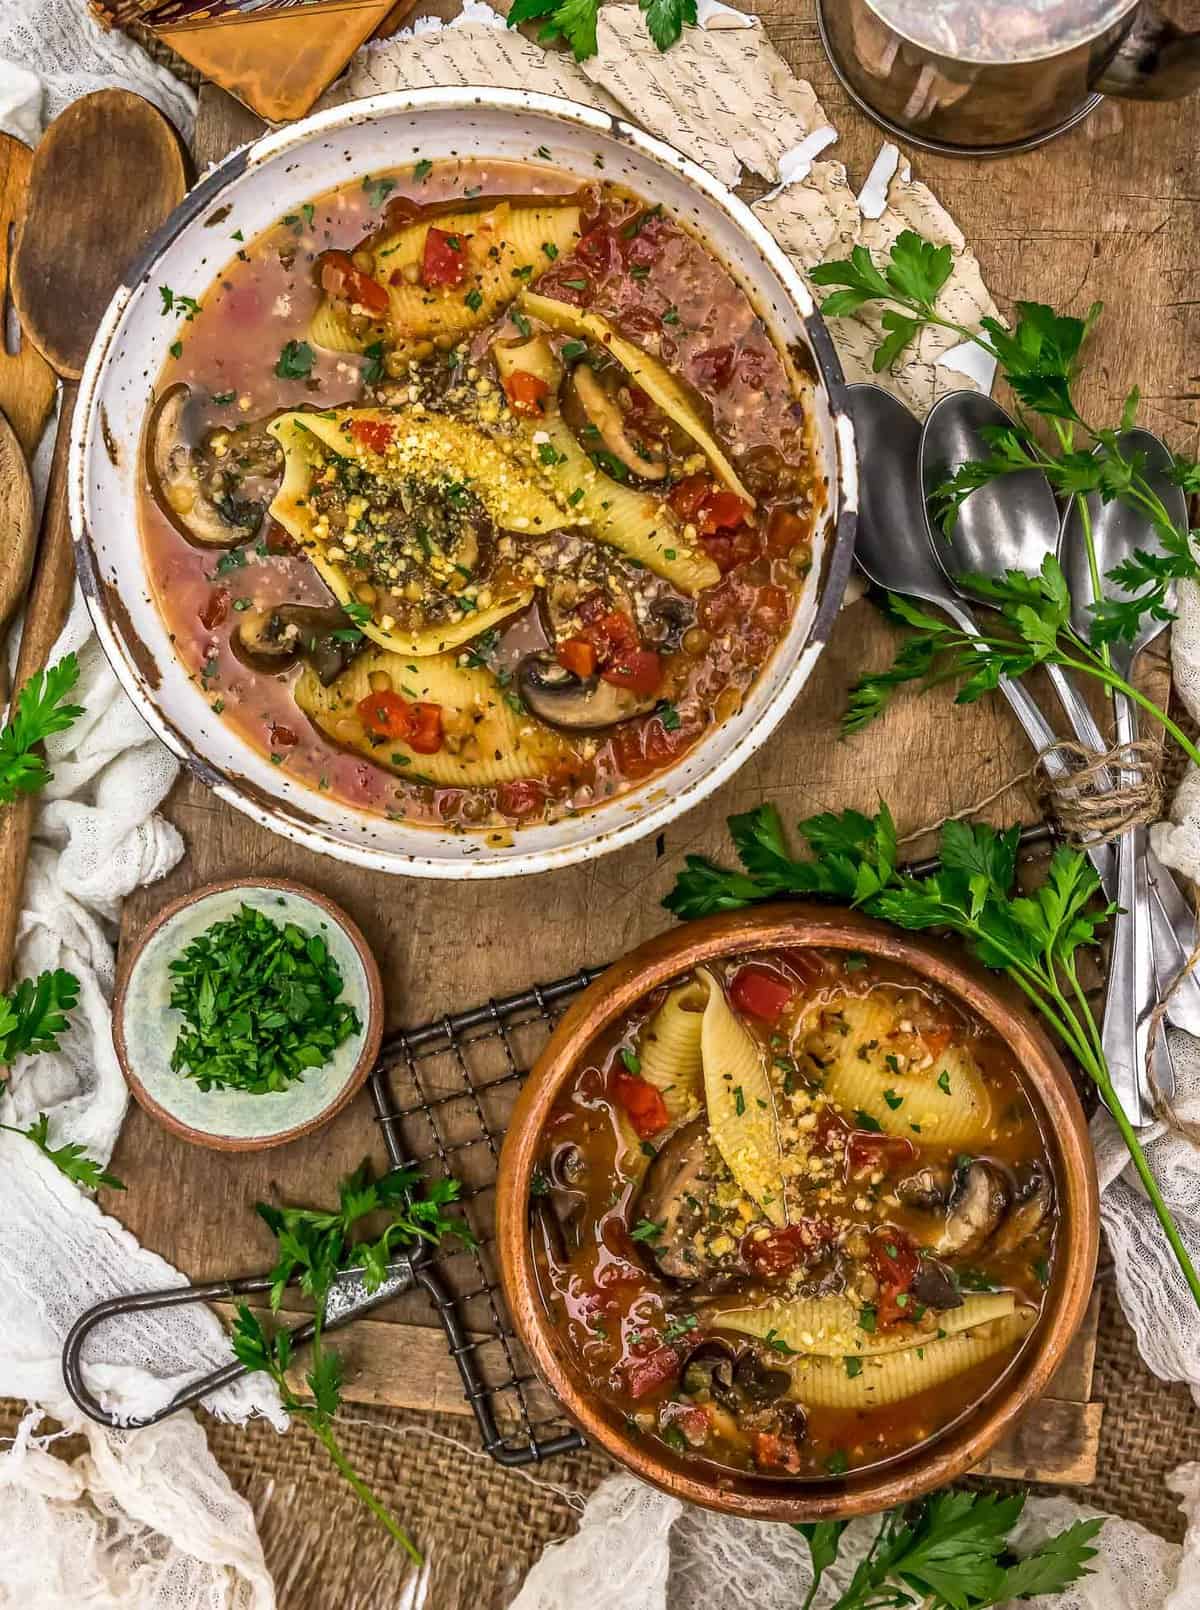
pixel 18 537
pixel 105 176
pixel 27 383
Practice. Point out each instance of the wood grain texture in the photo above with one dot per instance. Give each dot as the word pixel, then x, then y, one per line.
pixel 27 383
pixel 18 537
pixel 107 173
pixel 1109 211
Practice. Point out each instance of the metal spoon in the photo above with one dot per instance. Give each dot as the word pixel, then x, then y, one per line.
pixel 1117 530
pixel 1012 523
pixel 894 546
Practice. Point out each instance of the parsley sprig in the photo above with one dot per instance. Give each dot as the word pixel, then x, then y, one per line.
pixel 315 1246
pixel 41 708
pixel 260 1002
pixel 951 1552
pixel 1036 939
pixel 70 1158
pixel 34 1014
pixel 1039 357
pixel 575 21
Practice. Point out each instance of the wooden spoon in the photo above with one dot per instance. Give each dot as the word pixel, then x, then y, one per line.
pixel 106 175
pixel 27 382
pixel 20 535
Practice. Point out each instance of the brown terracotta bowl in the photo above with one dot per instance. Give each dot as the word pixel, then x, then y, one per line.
pixel 964 1443
pixel 145 1025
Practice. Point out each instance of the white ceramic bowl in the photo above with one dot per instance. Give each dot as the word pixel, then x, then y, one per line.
pixel 249 191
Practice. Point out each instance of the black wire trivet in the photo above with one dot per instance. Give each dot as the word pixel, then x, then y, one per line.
pixel 443 1094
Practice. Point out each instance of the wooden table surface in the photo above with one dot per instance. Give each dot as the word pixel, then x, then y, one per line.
pixel 1107 212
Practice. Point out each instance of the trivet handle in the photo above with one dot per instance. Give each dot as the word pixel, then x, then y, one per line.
pixel 348 1299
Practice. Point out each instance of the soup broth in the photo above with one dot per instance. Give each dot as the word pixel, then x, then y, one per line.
pixel 794 1214
pixel 474 497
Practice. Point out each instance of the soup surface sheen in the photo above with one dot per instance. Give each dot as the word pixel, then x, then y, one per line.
pixel 473 496
pixel 793 1214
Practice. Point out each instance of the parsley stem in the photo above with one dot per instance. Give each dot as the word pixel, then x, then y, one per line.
pixel 1089 543
pixel 324 1434
pixel 1112 680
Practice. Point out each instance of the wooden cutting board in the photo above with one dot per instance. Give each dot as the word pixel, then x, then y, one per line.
pixel 1039 233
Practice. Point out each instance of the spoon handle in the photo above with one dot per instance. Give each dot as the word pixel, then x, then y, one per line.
pixel 1131 979
pixel 1172 922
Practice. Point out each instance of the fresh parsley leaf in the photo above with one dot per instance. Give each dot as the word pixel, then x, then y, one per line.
pixel 295 361
pixel 378 190
pixel 666 19
pixel 41 709
pixel 646 1230
pixel 71 1158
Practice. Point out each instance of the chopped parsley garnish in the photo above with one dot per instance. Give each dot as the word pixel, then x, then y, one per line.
pixel 359 613
pixel 573 350
pixel 222 399
pixel 550 249
pixel 854 962
pixel 1041 1269
pixel 777 1344
pixel 373 370
pixel 739 1100
pixel 837 1463
pixel 173 302
pixel 295 361
pixel 610 464
pixel 549 454
pixel 474 299
pixel 176 349
pixel 576 496
pixel 576 285
pixel 671 316
pixel 853 1367
pixel 539 1185
pixel 866 1319
pixel 543 151
pixel 646 1230
pixel 631 1060
pixel 261 1003
pixel 668 715
pixel 865 1120
pixel 677 1328
pixel 892 1063
pixel 892 1099
pixel 378 190
pixel 944 1081
pixel 522 323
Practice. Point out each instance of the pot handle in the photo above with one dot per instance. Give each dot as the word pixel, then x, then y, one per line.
pixel 1156 61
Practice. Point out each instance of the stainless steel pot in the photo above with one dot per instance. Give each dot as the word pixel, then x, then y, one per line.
pixel 983 77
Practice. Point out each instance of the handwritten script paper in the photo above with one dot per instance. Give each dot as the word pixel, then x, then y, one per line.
pixel 726 98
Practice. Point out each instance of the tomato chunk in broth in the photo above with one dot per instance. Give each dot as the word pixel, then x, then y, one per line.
pixel 514 461
pixel 793 1214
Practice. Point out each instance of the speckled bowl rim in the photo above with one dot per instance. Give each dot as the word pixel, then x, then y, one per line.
pixel 275 814
pixel 372 1028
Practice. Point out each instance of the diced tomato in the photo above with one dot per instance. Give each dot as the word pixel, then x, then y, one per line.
pixel 384 715
pixel 578 656
pixel 776 1453
pixel 687 495
pixel 642 1103
pixel 760 992
pixel 387 715
pixel 444 261
pixel 372 433
pixel 425 734
pixel 526 393
pixel 721 511
pixel 638 669
pixel 779 1251
pixel 937 1038
pixel 785 531
pixel 214 609
pixel 712 370
pixel 694 1423
pixel 772 608
pixel 643 747
pixel 340 278
pixel 730 549
pixel 644 1375
pixel 643 246
pixel 894 1263
pixel 283 738
pixel 868 1150
pixel 612 633
pixel 520 799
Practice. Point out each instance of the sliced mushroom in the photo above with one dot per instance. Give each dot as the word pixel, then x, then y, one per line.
pixel 709 1368
pixel 1034 1198
pixel 927 1189
pixel 668 618
pixel 756 1382
pixel 272 639
pixel 603 414
pixel 935 1286
pixel 577 704
pixel 671 1198
pixel 195 497
pixel 976 1206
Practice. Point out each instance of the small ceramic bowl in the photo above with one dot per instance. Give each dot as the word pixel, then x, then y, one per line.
pixel 963 1443
pixel 145 1025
